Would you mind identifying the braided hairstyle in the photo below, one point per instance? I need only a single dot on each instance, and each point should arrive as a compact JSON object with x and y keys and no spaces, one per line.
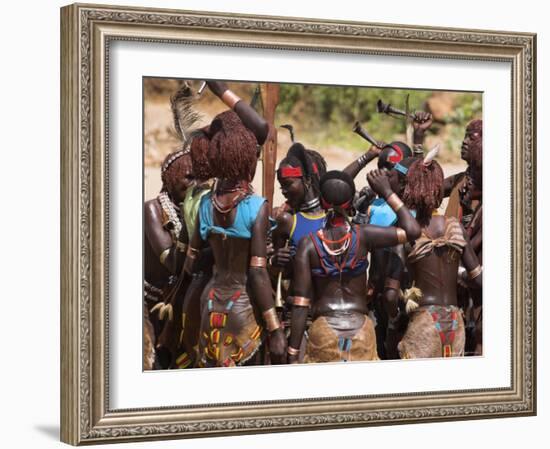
{"x":424,"y":189}
{"x":199,"y":155}
{"x":174,"y":167}
{"x":310,"y":162}
{"x":226,"y":149}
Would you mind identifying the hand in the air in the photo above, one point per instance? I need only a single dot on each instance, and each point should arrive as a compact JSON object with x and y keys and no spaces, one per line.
{"x":217,"y":87}
{"x":422,"y":121}
{"x":277,"y":346}
{"x":379,"y":182}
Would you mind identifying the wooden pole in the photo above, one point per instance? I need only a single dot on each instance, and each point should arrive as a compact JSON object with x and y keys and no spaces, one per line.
{"x":270,"y":100}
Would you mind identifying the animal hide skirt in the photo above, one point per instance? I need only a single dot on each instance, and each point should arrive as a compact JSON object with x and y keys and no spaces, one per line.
{"x":341,"y":337}
{"x":230,"y":333}
{"x":148,"y":340}
{"x":433,"y":331}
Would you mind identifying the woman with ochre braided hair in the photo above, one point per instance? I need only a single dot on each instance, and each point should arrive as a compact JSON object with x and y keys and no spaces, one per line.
{"x":237,"y":309}
{"x":330,"y":274}
{"x":436,"y":326}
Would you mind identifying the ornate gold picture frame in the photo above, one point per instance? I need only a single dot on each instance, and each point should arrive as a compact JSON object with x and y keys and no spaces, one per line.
{"x":87,"y":32}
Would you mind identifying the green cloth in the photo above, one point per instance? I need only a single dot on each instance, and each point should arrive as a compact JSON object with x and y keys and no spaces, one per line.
{"x":190,"y":207}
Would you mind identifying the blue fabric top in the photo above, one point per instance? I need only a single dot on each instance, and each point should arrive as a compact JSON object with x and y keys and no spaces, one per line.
{"x":330,"y":267}
{"x":381,"y":213}
{"x":247,"y":211}
{"x":302,"y":225}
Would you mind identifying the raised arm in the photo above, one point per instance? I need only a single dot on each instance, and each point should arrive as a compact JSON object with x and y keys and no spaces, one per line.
{"x":250,"y":118}
{"x":361,"y":162}
{"x":408,"y":229}
{"x":303,"y":297}
{"x":421,"y":123}
{"x":170,"y":255}
{"x":473,"y":275}
{"x":261,"y":286}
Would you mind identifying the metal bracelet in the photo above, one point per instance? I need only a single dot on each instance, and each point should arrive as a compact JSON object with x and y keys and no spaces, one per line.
{"x":395,"y":202}
{"x":164,"y":255}
{"x":292,"y":351}
{"x":301,"y":301}
{"x":271,"y":319}
{"x":192,"y":252}
{"x":258,"y":262}
{"x":230,"y":98}
{"x":401,"y":235}
{"x":475,"y":272}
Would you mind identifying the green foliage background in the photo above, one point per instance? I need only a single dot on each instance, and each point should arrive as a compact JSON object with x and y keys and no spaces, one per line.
{"x":324,"y":115}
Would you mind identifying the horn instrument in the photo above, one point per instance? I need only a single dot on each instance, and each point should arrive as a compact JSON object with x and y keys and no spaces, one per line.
{"x":387,"y":108}
{"x":358,"y":129}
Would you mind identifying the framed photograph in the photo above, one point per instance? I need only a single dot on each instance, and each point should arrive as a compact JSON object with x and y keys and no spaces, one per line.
{"x":295,"y":204}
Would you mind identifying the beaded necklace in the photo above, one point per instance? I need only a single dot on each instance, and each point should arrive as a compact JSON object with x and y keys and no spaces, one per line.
{"x":171,"y":212}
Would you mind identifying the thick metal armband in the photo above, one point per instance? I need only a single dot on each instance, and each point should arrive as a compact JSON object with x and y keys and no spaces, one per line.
{"x":301,"y":301}
{"x":401,"y":235}
{"x":475,"y":272}
{"x":395,"y":202}
{"x":230,"y":98}
{"x":258,"y":262}
{"x":292,"y":351}
{"x":271,"y":319}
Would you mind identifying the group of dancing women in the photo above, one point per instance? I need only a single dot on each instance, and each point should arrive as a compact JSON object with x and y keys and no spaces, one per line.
{"x":331,"y":275}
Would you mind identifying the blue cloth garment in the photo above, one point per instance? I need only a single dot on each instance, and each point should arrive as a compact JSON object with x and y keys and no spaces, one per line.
{"x":381,"y":213}
{"x":303,"y":224}
{"x":247,"y":211}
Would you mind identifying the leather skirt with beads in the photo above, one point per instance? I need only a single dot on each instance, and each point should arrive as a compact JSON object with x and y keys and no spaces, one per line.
{"x":433,"y":331}
{"x":341,"y":337}
{"x":230,"y":332}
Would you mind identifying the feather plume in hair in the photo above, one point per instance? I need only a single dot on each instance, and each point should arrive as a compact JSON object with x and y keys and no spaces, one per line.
{"x":185,"y":117}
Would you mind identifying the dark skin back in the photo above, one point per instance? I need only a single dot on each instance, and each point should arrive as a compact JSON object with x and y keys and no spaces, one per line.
{"x":436,"y":274}
{"x":346,"y":292}
{"x":232,"y":259}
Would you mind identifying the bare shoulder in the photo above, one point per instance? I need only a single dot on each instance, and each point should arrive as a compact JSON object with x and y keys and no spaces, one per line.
{"x":284,"y":222}
{"x":152,"y":210}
